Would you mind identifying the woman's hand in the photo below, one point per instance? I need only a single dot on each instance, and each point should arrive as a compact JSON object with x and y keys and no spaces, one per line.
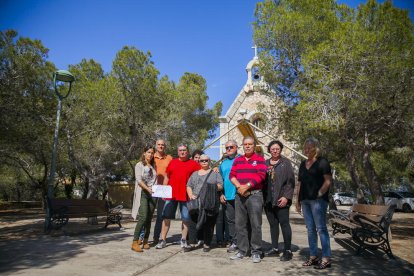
{"x":193,"y":196}
{"x":282,"y":202}
{"x":149,"y":190}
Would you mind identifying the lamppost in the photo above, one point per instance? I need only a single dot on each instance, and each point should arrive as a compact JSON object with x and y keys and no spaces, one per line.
{"x":62,"y":76}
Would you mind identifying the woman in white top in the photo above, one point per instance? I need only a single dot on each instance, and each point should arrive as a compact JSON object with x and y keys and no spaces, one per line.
{"x":145,"y":178}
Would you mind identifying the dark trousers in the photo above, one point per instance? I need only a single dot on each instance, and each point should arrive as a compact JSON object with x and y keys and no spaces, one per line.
{"x":249,"y":210}
{"x":158,"y":222}
{"x":222,"y":228}
{"x":145,"y":212}
{"x":193,"y":235}
{"x":231,"y":220}
{"x":276,"y":216}
{"x":206,"y":231}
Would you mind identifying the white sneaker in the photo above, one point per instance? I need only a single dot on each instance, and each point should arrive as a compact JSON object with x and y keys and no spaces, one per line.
{"x":161,"y":244}
{"x":256,"y":258}
{"x":200,"y":243}
{"x":183,"y":243}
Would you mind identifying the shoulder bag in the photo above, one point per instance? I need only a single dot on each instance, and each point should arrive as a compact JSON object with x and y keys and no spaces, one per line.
{"x":193,"y":205}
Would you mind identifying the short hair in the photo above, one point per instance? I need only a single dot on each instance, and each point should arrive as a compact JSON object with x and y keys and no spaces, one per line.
{"x":315,"y":144}
{"x":182,"y":145}
{"x":251,"y":138}
{"x":160,"y":139}
{"x":231,"y":141}
{"x":195,"y":152}
{"x":274,"y":142}
{"x":205,"y":156}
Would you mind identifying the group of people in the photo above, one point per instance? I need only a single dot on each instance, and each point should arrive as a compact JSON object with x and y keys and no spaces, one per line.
{"x":231,"y":197}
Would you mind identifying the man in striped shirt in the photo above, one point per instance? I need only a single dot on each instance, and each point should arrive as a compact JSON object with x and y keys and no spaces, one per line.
{"x":247,"y":175}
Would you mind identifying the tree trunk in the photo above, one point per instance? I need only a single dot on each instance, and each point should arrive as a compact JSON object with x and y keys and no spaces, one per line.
{"x":353,"y":172}
{"x":92,"y":194}
{"x":371,"y":174}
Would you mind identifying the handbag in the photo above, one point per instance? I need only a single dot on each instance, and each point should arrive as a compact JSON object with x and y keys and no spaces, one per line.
{"x":193,"y":205}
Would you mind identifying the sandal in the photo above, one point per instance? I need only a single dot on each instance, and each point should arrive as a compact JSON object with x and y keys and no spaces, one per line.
{"x":311,"y":262}
{"x":323,"y":264}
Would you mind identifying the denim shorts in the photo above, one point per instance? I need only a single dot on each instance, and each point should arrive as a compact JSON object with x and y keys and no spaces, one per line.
{"x":170,"y":208}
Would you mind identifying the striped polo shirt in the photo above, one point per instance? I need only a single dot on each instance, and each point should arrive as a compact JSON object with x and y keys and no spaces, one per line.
{"x":252,"y":170}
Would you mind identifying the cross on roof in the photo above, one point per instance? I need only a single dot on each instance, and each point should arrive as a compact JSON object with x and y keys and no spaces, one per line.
{"x":255,"y":50}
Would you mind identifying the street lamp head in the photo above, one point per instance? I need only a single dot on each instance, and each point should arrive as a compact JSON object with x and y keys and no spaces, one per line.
{"x":64,"y":75}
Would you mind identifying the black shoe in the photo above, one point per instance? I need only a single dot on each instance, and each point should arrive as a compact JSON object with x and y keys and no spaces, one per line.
{"x":272,"y":253}
{"x":188,"y":248}
{"x":287,"y":256}
{"x":206,"y":249}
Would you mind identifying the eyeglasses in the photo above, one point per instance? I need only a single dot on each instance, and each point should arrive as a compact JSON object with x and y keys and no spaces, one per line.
{"x":229,"y":147}
{"x":203,"y":160}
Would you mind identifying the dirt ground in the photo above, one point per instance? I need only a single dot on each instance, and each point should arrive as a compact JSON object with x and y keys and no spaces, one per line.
{"x":21,"y":224}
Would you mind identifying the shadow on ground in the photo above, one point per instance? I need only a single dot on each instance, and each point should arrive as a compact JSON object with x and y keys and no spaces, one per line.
{"x":24,"y":244}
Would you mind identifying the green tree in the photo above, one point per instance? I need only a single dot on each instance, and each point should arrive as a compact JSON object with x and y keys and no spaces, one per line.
{"x":110,"y":118}
{"x":27,"y":106}
{"x":354,"y":82}
{"x":106,"y":120}
{"x":190,"y":120}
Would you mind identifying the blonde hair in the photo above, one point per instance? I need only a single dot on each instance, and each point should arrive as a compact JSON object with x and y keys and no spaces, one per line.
{"x":315,"y":144}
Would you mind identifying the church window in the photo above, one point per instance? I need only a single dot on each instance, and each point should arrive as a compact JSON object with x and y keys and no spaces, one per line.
{"x":255,"y":74}
{"x":259,"y":122}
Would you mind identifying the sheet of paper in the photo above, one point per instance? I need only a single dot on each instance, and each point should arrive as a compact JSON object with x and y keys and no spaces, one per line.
{"x":163,"y":191}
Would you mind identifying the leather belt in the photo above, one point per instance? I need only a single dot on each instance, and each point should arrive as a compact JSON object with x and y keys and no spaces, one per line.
{"x":252,"y":192}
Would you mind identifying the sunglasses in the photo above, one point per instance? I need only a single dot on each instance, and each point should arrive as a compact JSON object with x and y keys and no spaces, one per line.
{"x":203,"y":160}
{"x":229,"y":147}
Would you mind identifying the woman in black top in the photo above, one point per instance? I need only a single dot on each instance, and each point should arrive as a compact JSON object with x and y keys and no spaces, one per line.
{"x":314,"y":180}
{"x":280,"y":181}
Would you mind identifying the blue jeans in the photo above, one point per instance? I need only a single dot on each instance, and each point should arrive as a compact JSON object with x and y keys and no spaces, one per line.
{"x":170,"y":207}
{"x":314,"y":212}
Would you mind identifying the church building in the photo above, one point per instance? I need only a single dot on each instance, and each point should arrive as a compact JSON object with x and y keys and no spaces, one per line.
{"x":254,"y":113}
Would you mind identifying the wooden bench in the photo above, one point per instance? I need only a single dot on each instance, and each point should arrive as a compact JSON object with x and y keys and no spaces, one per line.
{"x":59,"y":211}
{"x":367,"y":224}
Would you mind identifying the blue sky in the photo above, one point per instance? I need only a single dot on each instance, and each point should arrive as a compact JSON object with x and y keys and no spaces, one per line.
{"x":212,"y":38}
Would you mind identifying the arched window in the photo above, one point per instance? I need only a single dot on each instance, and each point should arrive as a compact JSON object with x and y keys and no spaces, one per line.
{"x":259,"y":122}
{"x":255,"y":74}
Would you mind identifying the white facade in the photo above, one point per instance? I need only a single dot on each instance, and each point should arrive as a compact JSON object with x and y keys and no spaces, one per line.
{"x":259,"y":105}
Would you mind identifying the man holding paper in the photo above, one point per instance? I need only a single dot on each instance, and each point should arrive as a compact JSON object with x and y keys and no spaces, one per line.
{"x":177,"y":174}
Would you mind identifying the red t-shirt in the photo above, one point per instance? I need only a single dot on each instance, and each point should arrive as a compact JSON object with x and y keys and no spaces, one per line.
{"x":178,"y":173}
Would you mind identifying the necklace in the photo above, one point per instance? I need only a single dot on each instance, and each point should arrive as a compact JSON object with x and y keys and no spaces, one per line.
{"x":274,"y":161}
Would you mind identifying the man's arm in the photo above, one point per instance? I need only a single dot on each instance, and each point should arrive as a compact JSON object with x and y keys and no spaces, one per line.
{"x":166,"y":180}
{"x":241,"y":189}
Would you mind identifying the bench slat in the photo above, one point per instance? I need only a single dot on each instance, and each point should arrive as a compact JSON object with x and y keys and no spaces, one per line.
{"x":372,"y":210}
{"x":345,"y":223}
